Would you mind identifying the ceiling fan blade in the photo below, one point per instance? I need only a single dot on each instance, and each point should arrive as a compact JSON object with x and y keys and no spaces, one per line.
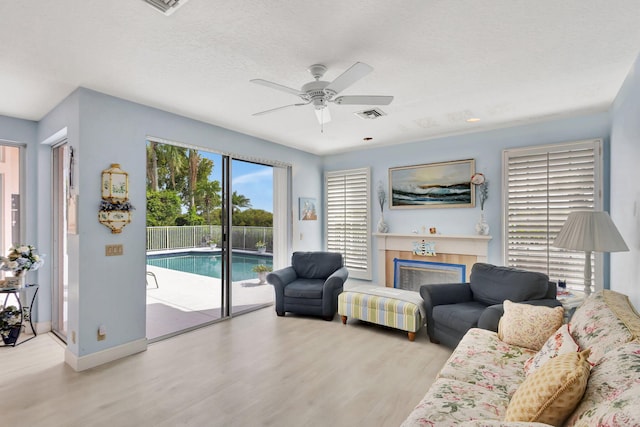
{"x":349,"y":77}
{"x":277,"y":86}
{"x":364,"y":100}
{"x":323,"y":115}
{"x":279,"y":108}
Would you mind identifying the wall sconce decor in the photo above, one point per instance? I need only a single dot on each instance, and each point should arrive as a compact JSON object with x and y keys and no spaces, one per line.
{"x":115,"y":208}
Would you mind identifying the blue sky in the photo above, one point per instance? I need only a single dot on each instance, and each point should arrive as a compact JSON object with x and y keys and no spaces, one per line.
{"x":249,"y":179}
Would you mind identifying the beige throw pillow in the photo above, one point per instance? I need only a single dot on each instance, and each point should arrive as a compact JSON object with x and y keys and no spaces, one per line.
{"x":551,"y":393}
{"x":527,"y":325}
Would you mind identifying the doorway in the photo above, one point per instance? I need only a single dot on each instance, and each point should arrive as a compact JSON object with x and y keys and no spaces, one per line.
{"x":209,"y":224}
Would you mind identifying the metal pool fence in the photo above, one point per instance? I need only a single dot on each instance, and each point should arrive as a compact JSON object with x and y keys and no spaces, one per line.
{"x":193,"y":236}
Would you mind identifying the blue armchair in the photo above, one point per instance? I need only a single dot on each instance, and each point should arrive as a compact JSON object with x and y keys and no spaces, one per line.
{"x":311,"y":284}
{"x":454,"y":308}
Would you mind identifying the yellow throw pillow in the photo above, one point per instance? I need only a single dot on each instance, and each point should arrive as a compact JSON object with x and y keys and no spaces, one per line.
{"x":552,"y":392}
{"x":527,"y":325}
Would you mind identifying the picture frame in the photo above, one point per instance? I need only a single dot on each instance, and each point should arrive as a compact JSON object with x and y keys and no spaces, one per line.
{"x":307,"y":209}
{"x":433,"y":185}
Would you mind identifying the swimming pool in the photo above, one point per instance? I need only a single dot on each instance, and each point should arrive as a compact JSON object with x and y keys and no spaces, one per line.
{"x":210,"y":264}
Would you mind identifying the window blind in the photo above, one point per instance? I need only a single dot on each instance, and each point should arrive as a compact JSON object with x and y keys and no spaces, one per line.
{"x":347,"y":207}
{"x":542,"y":186}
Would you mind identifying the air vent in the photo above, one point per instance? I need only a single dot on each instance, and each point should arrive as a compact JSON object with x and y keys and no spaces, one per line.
{"x":373,"y":113}
{"x":166,"y":6}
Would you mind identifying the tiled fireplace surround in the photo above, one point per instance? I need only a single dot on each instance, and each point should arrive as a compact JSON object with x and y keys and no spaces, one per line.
{"x":450,"y":249}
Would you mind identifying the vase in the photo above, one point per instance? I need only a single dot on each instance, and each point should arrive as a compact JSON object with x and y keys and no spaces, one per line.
{"x":17,"y":281}
{"x":383,"y":227}
{"x":482,"y":227}
{"x":12,"y":336}
{"x":262,"y":277}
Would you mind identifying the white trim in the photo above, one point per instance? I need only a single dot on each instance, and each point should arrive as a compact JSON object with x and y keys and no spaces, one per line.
{"x":92,"y":360}
{"x":233,"y":156}
{"x":56,"y":137}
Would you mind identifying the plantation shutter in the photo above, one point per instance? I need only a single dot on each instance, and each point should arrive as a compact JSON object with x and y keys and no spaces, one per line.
{"x":542,"y":186}
{"x":347,"y":196}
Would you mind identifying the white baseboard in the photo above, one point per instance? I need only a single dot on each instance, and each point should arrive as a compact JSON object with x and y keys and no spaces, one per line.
{"x":105,"y":356}
{"x":42,"y":327}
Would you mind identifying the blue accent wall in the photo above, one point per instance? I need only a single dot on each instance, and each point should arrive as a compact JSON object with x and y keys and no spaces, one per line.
{"x":486,"y":148}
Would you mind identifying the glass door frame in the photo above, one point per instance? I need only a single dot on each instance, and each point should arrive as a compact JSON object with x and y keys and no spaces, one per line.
{"x":61,"y":158}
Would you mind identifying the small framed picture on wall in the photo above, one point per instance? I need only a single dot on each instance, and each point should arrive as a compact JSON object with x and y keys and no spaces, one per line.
{"x":307,"y":209}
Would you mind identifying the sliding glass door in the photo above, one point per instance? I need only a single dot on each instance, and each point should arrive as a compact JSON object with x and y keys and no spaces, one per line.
{"x":63,"y":223}
{"x":209,"y":233}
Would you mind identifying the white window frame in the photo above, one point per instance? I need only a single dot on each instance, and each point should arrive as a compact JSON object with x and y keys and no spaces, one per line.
{"x":556,"y":214}
{"x":356,"y":256}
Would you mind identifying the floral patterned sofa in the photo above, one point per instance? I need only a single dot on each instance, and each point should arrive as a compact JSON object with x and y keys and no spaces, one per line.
{"x":477,"y":384}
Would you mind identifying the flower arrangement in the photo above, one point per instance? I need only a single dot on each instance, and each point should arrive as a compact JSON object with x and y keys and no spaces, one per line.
{"x":261,"y":268}
{"x":482,"y":184}
{"x":106,"y":205}
{"x":260,"y":244}
{"x":20,"y":259}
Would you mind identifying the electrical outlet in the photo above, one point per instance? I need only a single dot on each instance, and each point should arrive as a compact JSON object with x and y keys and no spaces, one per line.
{"x":102,"y":333}
{"x":113,"y":250}
{"x":73,"y":337}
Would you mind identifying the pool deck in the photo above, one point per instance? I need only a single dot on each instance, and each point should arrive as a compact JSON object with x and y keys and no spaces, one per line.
{"x":185,"y":300}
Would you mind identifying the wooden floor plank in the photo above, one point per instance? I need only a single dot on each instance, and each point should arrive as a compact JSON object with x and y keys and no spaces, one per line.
{"x":255,"y":370}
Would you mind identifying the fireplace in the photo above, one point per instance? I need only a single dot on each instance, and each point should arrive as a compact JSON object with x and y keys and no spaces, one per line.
{"x":411,"y":274}
{"x":463,"y":250}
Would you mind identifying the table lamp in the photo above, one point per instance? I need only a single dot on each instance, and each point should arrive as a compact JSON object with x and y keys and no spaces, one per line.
{"x":589,"y":231}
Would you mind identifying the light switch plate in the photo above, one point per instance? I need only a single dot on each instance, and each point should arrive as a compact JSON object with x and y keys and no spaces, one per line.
{"x":113,"y":250}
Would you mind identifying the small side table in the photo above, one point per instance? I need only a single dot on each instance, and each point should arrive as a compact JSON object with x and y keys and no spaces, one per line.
{"x":27,"y":294}
{"x":570,"y":300}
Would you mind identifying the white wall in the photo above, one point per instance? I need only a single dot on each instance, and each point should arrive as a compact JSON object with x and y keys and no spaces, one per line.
{"x":486,"y":148}
{"x":110,"y":291}
{"x":625,"y":191}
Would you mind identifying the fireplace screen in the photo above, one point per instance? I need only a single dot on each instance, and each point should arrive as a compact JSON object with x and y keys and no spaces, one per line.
{"x":410,"y":274}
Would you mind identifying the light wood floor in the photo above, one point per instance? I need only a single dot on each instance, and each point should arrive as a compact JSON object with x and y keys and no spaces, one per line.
{"x":255,"y":370}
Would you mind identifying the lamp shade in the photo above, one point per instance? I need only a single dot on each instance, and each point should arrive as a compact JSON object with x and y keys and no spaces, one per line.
{"x":590,"y":231}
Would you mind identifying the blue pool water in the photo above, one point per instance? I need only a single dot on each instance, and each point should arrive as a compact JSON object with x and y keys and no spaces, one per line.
{"x":210,"y":264}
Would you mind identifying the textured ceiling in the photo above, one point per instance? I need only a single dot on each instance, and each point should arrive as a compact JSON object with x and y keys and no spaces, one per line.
{"x":505,"y":62}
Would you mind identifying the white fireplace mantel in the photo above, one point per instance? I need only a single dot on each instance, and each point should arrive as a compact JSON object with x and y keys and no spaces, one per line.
{"x":474,"y":245}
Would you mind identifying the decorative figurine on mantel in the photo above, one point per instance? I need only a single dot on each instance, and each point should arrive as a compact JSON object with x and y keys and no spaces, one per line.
{"x":383,"y":227}
{"x":479,"y":180}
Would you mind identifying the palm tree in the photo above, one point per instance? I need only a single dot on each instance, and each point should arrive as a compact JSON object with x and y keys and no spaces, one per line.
{"x":175,"y":159}
{"x":239,"y":201}
{"x":152,"y":165}
{"x":194,"y":159}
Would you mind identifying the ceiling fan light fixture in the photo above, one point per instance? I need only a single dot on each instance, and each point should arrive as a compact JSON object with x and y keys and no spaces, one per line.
{"x":320,"y":93}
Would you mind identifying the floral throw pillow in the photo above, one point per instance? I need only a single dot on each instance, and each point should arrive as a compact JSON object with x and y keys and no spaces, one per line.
{"x":527,"y":325}
{"x":561,"y":342}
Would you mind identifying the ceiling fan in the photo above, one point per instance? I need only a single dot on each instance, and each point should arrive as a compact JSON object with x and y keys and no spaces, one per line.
{"x":319,"y":93}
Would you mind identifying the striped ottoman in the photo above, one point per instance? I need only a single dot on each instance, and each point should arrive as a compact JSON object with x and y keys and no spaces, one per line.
{"x":395,"y":308}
